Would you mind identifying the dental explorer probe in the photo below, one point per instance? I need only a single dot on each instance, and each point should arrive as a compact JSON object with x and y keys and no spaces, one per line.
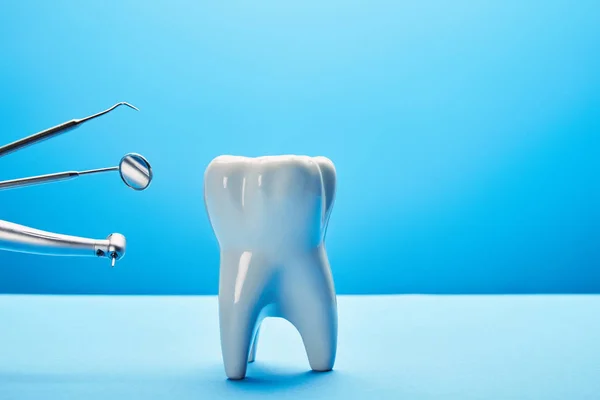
{"x":56,"y":130}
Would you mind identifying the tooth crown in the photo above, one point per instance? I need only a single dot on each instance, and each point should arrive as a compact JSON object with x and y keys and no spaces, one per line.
{"x":281,"y":200}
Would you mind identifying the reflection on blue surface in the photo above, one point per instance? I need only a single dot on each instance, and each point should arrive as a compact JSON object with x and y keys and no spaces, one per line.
{"x":465,"y":136}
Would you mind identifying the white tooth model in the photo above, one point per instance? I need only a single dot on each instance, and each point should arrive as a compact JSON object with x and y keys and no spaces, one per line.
{"x":270,"y":216}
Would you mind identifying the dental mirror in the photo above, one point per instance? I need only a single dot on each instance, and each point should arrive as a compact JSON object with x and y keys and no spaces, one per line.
{"x":134,"y":169}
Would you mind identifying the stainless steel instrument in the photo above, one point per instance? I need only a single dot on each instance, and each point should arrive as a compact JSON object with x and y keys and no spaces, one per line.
{"x":134,"y":169}
{"x":56,"y":130}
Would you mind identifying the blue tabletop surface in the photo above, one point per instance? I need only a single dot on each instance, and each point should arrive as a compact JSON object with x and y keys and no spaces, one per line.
{"x":401,"y":347}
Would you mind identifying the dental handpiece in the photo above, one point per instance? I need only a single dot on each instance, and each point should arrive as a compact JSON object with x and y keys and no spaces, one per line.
{"x":19,"y":238}
{"x":54,"y":131}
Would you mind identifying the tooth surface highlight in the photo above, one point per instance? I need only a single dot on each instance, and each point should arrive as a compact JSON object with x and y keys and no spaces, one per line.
{"x":269,"y":215}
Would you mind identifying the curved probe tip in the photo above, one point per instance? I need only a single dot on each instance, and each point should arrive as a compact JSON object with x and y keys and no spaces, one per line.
{"x":129,"y":105}
{"x":122,"y":103}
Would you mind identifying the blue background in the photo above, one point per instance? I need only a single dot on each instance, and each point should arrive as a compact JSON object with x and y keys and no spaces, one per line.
{"x":465,"y":136}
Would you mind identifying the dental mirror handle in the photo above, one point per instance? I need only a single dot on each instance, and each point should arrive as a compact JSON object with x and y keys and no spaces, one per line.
{"x":38,"y":180}
{"x":54,"y":131}
{"x":41,"y":179}
{"x":22,"y":239}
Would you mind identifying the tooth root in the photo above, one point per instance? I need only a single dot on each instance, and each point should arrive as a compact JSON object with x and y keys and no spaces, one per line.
{"x":239,"y":307}
{"x":310,"y":305}
{"x":236,"y":333}
{"x":252,"y":356}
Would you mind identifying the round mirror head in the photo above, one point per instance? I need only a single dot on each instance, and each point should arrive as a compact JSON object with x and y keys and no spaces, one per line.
{"x":135,"y":171}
